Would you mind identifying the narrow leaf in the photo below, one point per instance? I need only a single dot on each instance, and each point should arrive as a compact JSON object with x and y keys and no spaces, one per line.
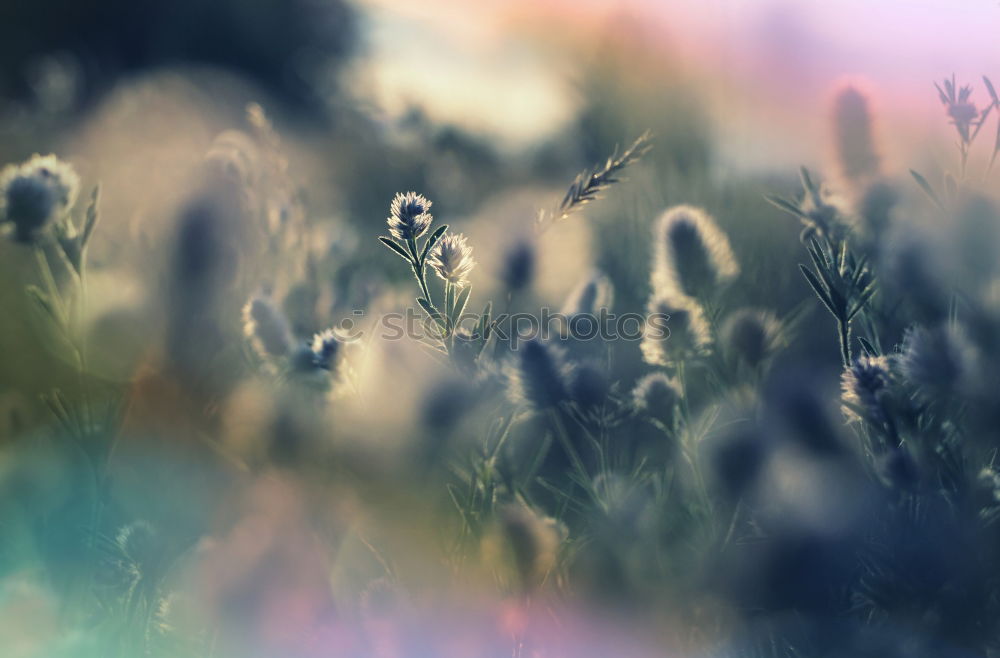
{"x":868,"y":347}
{"x":817,"y":288}
{"x":926,"y":187}
{"x":463,"y":299}
{"x":784,"y":204}
{"x":396,"y":248}
{"x":431,"y":241}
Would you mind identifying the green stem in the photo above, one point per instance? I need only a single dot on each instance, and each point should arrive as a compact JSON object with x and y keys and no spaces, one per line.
{"x":845,"y":342}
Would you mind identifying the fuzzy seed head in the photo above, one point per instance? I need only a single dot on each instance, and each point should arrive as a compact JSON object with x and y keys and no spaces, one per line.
{"x":35,"y":193}
{"x":451,"y":258}
{"x":539,"y":378}
{"x":657,"y":396}
{"x":532,"y":541}
{"x":854,"y":142}
{"x":676,"y":329}
{"x":326,"y":347}
{"x":518,"y":268}
{"x":751,"y":335}
{"x":936,"y":361}
{"x":409,"y":216}
{"x":590,"y":296}
{"x":863,"y":388}
{"x":693,"y":255}
{"x":267,"y":328}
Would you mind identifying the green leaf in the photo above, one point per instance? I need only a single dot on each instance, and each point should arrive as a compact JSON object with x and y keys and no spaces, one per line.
{"x":433,"y":312}
{"x":396,"y":248}
{"x":926,"y":187}
{"x":868,"y":347}
{"x":817,"y":288}
{"x":431,"y":241}
{"x":463,"y":299}
{"x":92,"y":215}
{"x":785,"y":204}
{"x":43,"y":301}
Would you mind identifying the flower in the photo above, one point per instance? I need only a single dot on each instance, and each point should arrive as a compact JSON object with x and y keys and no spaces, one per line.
{"x":686,"y":335}
{"x":327,"y":347}
{"x":854,"y":143}
{"x":409,"y":216}
{"x":751,"y":335}
{"x":267,"y":328}
{"x":962,"y":111}
{"x":657,"y":396}
{"x":530,"y":541}
{"x":539,"y":378}
{"x":518,"y":268}
{"x":693,"y":255}
{"x":451,"y":258}
{"x":36,"y":192}
{"x":864,"y":386}
{"x":937,"y":360}
{"x":592,"y":294}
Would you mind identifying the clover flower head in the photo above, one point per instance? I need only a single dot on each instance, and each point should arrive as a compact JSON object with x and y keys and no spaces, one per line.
{"x":751,"y":335}
{"x":857,"y":157}
{"x":451,"y":258}
{"x":539,"y":376}
{"x":676,"y":328}
{"x":657,"y":395}
{"x":594,"y":293}
{"x":409,"y":216}
{"x":267,"y":328}
{"x":35,"y":193}
{"x":936,"y":361}
{"x":327,"y":347}
{"x":863,"y":388}
{"x":693,"y":255}
{"x":518,"y":267}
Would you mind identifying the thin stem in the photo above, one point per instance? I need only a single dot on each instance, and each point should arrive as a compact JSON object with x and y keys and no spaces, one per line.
{"x":845,"y":341}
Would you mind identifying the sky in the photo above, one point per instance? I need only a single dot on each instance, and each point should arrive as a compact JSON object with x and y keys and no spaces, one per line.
{"x":765,"y":65}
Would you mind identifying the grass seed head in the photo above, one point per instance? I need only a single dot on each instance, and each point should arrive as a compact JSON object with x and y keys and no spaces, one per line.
{"x":693,"y":255}
{"x":409,"y":216}
{"x":35,"y":193}
{"x":451,"y":259}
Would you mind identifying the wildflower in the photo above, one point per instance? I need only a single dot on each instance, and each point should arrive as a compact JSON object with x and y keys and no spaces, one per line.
{"x":451,"y":258}
{"x":590,"y":296}
{"x":864,"y":386}
{"x":35,"y":193}
{"x":518,"y":267}
{"x":266,"y":328}
{"x":751,"y":335}
{"x":675,"y":328}
{"x":327,"y":347}
{"x":409,"y":216}
{"x":693,"y":255}
{"x":854,"y":142}
{"x":960,"y":109}
{"x":539,"y":378}
{"x":657,"y":396}
{"x":988,"y":482}
{"x":531,"y":541}
{"x":937,"y":360}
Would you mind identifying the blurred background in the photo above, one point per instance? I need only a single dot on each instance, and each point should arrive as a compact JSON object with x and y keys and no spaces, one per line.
{"x":253,"y":147}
